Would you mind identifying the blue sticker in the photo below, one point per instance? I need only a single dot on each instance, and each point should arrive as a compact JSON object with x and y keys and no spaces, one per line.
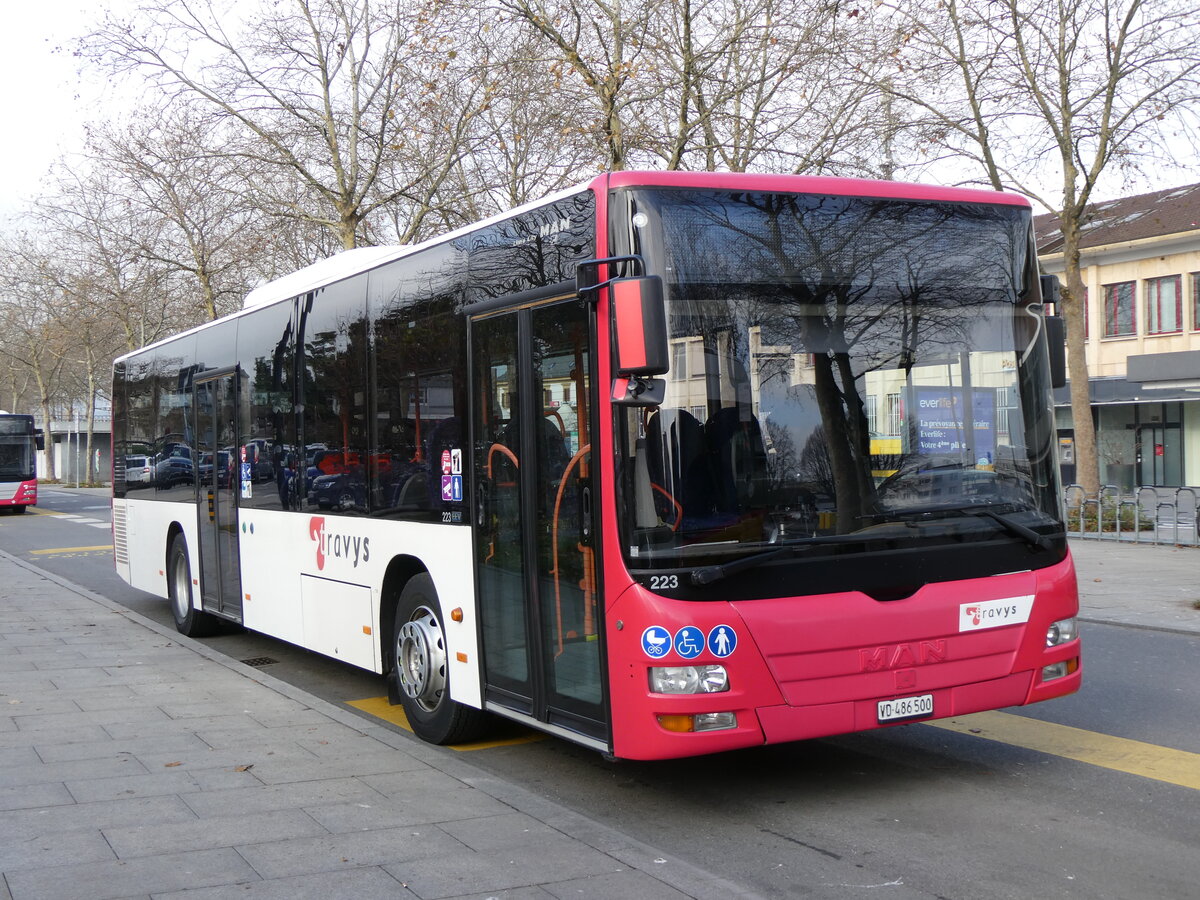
{"x":689,"y":641}
{"x":656,"y":641}
{"x":722,"y":641}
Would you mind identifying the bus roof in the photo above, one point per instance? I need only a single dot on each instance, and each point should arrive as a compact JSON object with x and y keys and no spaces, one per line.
{"x":353,"y":262}
{"x":815,"y":184}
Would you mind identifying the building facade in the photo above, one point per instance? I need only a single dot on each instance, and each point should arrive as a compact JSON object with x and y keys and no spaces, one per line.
{"x":1141,"y":270}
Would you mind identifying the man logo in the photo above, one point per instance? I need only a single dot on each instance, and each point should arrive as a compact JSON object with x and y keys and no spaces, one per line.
{"x":901,"y":656}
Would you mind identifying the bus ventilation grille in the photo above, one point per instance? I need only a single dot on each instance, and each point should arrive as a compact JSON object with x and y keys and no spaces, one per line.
{"x":120,"y":541}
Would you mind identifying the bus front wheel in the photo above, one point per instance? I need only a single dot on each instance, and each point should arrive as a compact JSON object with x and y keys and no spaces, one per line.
{"x":188,"y":620}
{"x":422,"y":669}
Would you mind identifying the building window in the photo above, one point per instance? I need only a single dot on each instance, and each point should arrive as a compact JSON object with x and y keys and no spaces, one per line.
{"x":1164,"y":307}
{"x":679,"y":359}
{"x":872,"y":411}
{"x":894,"y":410}
{"x":1120,"y":316}
{"x":1196,"y":300}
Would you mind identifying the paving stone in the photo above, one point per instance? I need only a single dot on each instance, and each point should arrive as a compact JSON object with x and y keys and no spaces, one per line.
{"x":499,"y":832}
{"x":80,"y":769}
{"x":144,"y":785}
{"x":54,"y":849}
{"x":467,"y":873}
{"x":521,"y":893}
{"x":122,"y":878}
{"x":122,"y":716}
{"x":207,"y":834}
{"x":615,"y":886}
{"x":15,"y":737}
{"x":359,"y":884}
{"x":16,"y":825}
{"x":172,"y":744}
{"x":348,"y":850}
{"x":35,"y":795}
{"x":18,"y":756}
{"x":166,"y":725}
{"x":381,"y":762}
{"x":283,"y":796}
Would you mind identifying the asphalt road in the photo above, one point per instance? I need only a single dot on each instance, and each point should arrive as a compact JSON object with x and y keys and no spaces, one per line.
{"x":1005,"y":809}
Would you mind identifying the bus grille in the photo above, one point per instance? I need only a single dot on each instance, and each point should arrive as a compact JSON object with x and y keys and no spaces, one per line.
{"x":120,"y":542}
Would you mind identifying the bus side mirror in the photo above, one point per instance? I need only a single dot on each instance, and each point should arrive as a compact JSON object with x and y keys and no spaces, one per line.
{"x":40,"y":440}
{"x":1056,"y":341}
{"x":640,"y":319}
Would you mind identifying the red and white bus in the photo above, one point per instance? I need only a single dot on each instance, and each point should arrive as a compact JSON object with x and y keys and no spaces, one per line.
{"x":603,"y":465}
{"x":19,"y":443}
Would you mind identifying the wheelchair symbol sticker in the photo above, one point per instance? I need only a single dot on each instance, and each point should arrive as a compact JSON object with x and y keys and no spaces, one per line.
{"x":689,"y":641}
{"x":722,"y":641}
{"x":656,"y":641}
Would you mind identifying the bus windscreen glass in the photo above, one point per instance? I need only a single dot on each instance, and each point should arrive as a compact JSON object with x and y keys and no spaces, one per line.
{"x":17,"y":461}
{"x":847,"y":375}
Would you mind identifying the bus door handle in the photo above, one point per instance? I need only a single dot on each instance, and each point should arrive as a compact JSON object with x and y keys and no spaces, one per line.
{"x":585,"y":515}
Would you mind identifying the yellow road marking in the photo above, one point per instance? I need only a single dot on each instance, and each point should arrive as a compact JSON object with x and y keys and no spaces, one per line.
{"x":1121,"y":754}
{"x":71,"y":550}
{"x":45,"y":512}
{"x":381,"y":709}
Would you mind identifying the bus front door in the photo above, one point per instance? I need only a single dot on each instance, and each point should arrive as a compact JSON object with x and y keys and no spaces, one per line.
{"x":217,"y":480}
{"x":536,"y":542}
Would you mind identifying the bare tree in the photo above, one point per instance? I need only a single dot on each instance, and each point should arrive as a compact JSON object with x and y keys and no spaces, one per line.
{"x":759,"y":83}
{"x":167,"y":169}
{"x":1053,"y":98}
{"x":596,"y":44}
{"x":327,"y":91}
{"x":28,"y":326}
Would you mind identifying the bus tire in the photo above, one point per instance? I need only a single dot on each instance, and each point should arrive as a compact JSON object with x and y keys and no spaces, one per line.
{"x":19,"y":509}
{"x":422,"y":669}
{"x":189,"y":621}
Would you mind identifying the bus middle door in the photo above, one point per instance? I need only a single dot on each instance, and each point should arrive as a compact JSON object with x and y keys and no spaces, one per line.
{"x":218,"y":477}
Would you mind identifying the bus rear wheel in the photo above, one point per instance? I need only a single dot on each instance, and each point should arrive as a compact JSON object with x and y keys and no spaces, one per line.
{"x":422,"y":669}
{"x":189,"y":621}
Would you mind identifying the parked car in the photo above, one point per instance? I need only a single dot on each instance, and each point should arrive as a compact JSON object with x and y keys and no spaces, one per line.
{"x":177,"y":468}
{"x":139,"y":471}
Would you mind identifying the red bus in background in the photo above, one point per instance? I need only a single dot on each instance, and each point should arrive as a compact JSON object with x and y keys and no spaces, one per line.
{"x":19,"y":443}
{"x":611,"y":464}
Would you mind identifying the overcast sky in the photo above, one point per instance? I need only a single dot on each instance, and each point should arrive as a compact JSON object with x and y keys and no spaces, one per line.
{"x":45,"y":101}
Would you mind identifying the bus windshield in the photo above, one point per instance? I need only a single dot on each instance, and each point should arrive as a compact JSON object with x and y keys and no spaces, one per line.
{"x":847,"y":374}
{"x":17,"y":459}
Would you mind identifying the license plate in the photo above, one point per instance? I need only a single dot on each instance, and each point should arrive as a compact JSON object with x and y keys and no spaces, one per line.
{"x":906,"y":708}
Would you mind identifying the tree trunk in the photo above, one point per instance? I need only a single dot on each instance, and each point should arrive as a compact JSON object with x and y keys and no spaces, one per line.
{"x":1087,"y":468}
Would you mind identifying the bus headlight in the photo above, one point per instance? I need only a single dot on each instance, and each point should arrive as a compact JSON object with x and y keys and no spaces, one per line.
{"x":1061,"y":632}
{"x":689,"y":679}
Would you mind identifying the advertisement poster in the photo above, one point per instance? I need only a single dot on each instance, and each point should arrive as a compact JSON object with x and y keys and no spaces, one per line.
{"x":944,"y":427}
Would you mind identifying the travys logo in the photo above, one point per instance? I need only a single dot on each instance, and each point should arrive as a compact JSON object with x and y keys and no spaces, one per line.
{"x":994,"y":613}
{"x":353,"y":548}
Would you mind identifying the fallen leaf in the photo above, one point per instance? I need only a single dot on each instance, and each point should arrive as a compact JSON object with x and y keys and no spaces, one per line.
{"x":244,"y":768}
{"x":171,"y":765}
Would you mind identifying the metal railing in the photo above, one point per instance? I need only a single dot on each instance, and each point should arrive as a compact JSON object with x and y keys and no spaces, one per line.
{"x":1151,"y":515}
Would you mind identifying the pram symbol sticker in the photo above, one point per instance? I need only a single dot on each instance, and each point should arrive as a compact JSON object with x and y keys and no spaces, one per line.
{"x":689,"y":641}
{"x":656,"y":641}
{"x":722,"y":640}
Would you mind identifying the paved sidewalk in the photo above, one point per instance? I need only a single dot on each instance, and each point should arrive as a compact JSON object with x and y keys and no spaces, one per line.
{"x":1140,"y":585}
{"x":135,"y":762}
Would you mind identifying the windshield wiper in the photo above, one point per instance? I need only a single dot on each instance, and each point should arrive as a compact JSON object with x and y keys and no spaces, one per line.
{"x":1012,"y":526}
{"x":708,"y":574}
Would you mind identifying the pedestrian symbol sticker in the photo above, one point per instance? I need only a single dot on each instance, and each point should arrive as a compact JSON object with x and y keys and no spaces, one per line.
{"x":656,"y":641}
{"x":722,"y":641}
{"x":689,"y":641}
